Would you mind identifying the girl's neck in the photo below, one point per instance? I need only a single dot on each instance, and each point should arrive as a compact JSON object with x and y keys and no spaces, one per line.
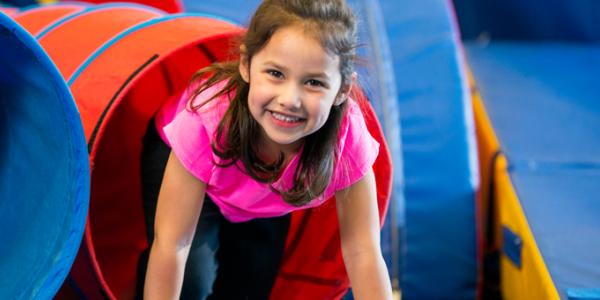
{"x":269,"y":152}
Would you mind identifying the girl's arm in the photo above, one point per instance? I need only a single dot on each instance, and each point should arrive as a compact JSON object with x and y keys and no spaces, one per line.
{"x":179,"y":204}
{"x":359,"y":230}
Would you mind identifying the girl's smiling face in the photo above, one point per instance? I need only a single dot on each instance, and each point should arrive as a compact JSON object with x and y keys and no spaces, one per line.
{"x":294,"y":82}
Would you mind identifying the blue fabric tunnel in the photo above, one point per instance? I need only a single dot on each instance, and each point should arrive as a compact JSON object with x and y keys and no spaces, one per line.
{"x":44,"y":170}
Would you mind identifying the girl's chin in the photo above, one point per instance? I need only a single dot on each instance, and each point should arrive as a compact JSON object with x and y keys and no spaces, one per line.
{"x":286,"y":143}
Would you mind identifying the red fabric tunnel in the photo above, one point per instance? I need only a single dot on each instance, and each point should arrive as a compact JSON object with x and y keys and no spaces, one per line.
{"x":36,"y":19}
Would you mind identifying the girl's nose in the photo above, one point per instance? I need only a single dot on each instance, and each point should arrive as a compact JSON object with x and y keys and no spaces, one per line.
{"x":290,"y":98}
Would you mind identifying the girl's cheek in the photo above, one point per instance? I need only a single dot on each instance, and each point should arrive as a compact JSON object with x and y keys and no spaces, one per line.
{"x":263,"y":85}
{"x":263,"y":91}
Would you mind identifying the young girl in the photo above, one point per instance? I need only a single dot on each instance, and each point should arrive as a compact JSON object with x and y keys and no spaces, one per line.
{"x":260,"y":137}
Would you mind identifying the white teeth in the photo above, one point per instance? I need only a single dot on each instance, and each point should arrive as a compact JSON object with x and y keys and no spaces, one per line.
{"x":284,"y":118}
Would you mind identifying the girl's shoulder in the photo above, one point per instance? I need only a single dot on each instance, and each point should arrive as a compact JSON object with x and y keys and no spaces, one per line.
{"x":207,"y":102}
{"x":356,"y":149}
{"x":353,"y":123}
{"x":190,"y":132}
{"x":206,"y":108}
{"x":184,"y":113}
{"x":354,"y":109}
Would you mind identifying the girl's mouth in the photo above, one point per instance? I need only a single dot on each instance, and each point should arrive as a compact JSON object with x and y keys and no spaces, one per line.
{"x":286,"y":120}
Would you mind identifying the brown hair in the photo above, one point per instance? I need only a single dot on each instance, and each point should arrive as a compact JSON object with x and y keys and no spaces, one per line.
{"x":333,"y":24}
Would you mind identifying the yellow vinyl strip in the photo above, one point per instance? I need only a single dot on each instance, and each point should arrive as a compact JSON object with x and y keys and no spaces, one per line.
{"x":532,"y":280}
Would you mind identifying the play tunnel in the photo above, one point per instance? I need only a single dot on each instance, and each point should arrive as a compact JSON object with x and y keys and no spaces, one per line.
{"x":44,"y":173}
{"x":35,"y":19}
{"x":122,"y":62}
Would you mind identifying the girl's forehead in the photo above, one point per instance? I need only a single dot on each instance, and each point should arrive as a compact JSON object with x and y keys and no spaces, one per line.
{"x":294,"y":45}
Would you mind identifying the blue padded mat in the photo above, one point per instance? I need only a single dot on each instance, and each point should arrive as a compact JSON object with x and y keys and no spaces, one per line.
{"x":543,"y":100}
{"x":239,"y":11}
{"x":573,"y":20}
{"x":438,"y":144}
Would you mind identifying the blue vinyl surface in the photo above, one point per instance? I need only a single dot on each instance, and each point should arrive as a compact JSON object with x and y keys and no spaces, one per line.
{"x":440,"y":160}
{"x":583,"y":294}
{"x":44,"y":173}
{"x":543,"y":100}
{"x":19,"y":3}
{"x":572,"y":20}
{"x":239,"y":11}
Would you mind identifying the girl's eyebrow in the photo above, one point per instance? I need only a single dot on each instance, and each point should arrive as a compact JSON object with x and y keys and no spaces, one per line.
{"x":321,"y":75}
{"x":274,"y":64}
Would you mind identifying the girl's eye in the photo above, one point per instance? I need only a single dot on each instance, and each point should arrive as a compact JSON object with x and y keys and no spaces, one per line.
{"x":315,"y":83}
{"x":275,"y":73}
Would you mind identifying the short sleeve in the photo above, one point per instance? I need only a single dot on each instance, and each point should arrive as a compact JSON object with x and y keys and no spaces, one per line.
{"x":356,"y":147}
{"x":191,"y":143}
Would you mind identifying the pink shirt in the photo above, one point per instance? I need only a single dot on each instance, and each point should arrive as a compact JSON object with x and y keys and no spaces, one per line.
{"x":238,"y":196}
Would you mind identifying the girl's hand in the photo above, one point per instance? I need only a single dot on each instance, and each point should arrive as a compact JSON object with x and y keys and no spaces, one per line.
{"x":179,"y":204}
{"x":359,"y":231}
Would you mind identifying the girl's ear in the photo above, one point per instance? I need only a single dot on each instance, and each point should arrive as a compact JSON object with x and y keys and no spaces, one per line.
{"x":244,"y":67}
{"x":345,"y":91}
